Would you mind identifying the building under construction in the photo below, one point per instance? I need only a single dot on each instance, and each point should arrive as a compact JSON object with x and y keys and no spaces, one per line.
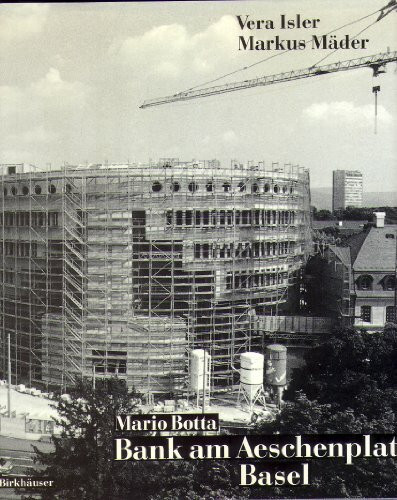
{"x":124,"y":269}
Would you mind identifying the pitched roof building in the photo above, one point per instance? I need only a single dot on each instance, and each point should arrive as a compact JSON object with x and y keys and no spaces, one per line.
{"x":357,"y":283}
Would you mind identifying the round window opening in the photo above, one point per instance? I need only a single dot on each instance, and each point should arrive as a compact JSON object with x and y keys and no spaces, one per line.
{"x":193,"y":187}
{"x":52,"y":189}
{"x":37,"y":189}
{"x":175,"y":187}
{"x":267,"y":188}
{"x":285,"y":189}
{"x":25,"y":190}
{"x":241,"y":186}
{"x":276,"y":189}
{"x":255,"y":188}
{"x":14,"y":190}
{"x":157,"y":187}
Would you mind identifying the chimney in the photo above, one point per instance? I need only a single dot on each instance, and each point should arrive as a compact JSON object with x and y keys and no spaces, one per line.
{"x":379,"y":219}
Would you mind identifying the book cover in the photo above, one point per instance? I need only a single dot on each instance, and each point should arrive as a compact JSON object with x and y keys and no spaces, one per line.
{"x":198,"y":250}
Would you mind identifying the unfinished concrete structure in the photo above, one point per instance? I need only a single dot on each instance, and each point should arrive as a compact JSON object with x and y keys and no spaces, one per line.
{"x":125,"y":268}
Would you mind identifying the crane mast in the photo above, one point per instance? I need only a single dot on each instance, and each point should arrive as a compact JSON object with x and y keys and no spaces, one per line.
{"x":377,"y":62}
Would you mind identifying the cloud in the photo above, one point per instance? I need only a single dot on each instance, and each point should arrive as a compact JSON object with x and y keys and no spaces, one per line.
{"x":49,"y":92}
{"x":21,"y":21}
{"x":53,"y":86}
{"x":35,"y":115}
{"x":346,"y":112}
{"x":170,"y":50}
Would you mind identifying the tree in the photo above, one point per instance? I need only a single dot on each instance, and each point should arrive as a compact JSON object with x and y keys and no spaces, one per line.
{"x":349,"y":385}
{"x":352,"y":369}
{"x":323,"y":214}
{"x":81,"y":462}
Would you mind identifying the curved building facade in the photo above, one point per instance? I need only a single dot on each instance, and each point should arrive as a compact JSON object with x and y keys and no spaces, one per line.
{"x":124,"y":269}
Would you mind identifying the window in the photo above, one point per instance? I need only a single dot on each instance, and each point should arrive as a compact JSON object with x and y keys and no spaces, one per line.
{"x":179,"y":218}
{"x":25,"y":190}
{"x":226,"y":187}
{"x":175,"y":187}
{"x":366,"y":314}
{"x":9,"y":277}
{"x":12,"y":170}
{"x":213,"y":218}
{"x":276,"y":189}
{"x":389,"y":282}
{"x":390,"y":314}
{"x":9,"y":248}
{"x":365,"y":282}
{"x":52,"y":219}
{"x":189,"y":217}
{"x":255,"y":188}
{"x":193,"y":187}
{"x":52,"y":189}
{"x":37,"y":189}
{"x":241,"y":186}
{"x":197,"y":250}
{"x":5,"y":192}
{"x":9,"y":219}
{"x":267,"y":188}
{"x":209,"y":187}
{"x":14,"y":190}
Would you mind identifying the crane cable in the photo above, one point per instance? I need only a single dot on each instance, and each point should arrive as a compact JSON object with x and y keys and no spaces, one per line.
{"x":282,"y":53}
{"x":353,"y":38}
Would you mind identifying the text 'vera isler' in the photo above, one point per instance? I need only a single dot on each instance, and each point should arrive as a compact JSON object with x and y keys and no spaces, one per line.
{"x":249,"y":41}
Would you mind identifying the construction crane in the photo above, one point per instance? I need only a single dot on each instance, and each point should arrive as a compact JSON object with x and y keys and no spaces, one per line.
{"x":376,"y":62}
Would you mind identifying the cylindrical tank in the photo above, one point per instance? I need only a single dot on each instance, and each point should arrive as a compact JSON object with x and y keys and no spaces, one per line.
{"x":251,"y":372}
{"x":197,"y":369}
{"x":276,"y":365}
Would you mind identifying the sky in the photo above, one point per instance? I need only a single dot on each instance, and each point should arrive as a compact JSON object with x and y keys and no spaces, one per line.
{"x":72,"y":78}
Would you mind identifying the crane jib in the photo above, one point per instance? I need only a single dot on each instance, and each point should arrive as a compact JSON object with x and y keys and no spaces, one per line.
{"x":375,"y":62}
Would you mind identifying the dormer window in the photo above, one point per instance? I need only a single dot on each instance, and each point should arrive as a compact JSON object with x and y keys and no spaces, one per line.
{"x":389,"y":282}
{"x":365,"y":282}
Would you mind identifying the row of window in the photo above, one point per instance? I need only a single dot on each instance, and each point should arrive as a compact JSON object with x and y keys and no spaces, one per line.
{"x":19,"y":249}
{"x":25,"y":190}
{"x":242,"y":250}
{"x":226,"y":187}
{"x":29,"y":219}
{"x":7,"y":277}
{"x":230,"y":218}
{"x":365,"y":282}
{"x":255,"y":280}
{"x":366,"y":314}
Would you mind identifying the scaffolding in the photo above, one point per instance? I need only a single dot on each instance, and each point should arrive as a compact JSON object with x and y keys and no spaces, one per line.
{"x":132,"y":266}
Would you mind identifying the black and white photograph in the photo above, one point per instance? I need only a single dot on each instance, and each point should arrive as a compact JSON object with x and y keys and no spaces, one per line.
{"x":198,"y":250}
